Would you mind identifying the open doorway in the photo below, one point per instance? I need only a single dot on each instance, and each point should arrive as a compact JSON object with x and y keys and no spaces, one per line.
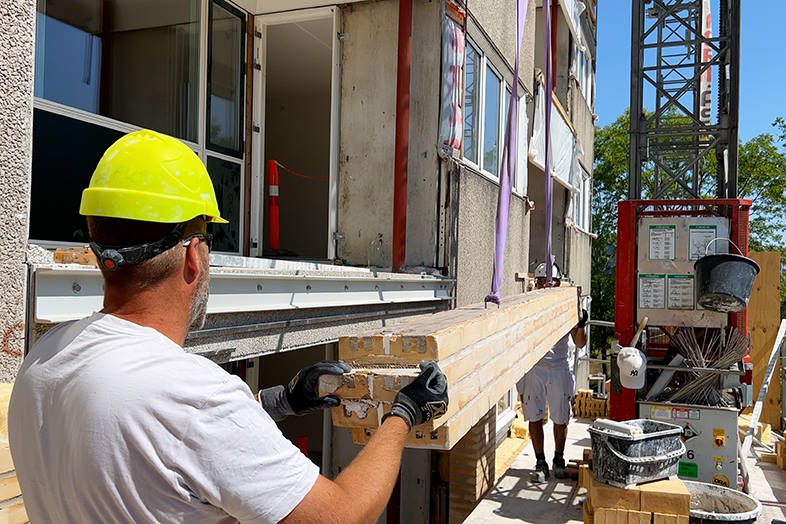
{"x":298,"y":94}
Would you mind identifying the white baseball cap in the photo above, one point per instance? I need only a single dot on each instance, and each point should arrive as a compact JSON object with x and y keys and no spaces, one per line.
{"x":633,"y":368}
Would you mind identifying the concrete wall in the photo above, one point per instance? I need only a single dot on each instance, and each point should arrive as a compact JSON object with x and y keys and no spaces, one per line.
{"x":498,"y":19}
{"x":367,"y":132}
{"x":17,"y":18}
{"x":584,"y":123}
{"x":477,"y":210}
{"x":580,"y":259}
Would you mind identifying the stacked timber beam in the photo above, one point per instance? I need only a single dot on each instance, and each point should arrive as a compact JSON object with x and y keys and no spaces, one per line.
{"x":482,"y":351}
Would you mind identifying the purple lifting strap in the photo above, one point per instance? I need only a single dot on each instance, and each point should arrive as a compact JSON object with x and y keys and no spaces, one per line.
{"x":549,"y":74}
{"x":508,"y":162}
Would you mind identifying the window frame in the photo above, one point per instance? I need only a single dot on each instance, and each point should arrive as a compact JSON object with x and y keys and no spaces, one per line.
{"x":488,"y":66}
{"x":518,"y":187}
{"x":240,"y":152}
{"x":479,"y":81}
{"x":200,"y":148}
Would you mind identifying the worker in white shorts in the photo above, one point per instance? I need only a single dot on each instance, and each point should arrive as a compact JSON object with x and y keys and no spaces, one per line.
{"x":550,"y":382}
{"x":110,"y":420}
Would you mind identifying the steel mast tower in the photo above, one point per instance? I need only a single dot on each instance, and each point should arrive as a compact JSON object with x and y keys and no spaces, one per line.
{"x":672,"y":52}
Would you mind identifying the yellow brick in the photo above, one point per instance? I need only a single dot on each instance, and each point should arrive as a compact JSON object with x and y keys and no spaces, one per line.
{"x":588,"y":517}
{"x":603,"y":516}
{"x":665,"y":496}
{"x":584,"y":473}
{"x":14,"y":514}
{"x":9,"y":487}
{"x":605,"y":496}
{"x":639,"y":517}
{"x":6,"y":462}
{"x":660,"y":518}
{"x":683,"y":519}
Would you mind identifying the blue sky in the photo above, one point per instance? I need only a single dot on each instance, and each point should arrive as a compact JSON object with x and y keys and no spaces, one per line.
{"x":762,"y":63}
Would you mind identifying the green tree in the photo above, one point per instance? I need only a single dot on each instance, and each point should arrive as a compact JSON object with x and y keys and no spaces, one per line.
{"x":761,"y":178}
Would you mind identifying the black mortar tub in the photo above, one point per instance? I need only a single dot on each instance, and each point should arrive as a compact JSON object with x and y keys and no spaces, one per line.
{"x":724,"y":281}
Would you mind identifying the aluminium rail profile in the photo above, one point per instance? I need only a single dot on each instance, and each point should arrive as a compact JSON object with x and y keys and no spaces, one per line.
{"x":261,"y":299}
{"x":69,"y":292}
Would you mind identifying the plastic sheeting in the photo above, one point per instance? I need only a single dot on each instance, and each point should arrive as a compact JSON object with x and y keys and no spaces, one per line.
{"x":564,"y":145}
{"x":574,"y":9}
{"x":451,"y":120}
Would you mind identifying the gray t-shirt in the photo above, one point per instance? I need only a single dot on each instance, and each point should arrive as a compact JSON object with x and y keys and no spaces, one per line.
{"x":113,"y":422}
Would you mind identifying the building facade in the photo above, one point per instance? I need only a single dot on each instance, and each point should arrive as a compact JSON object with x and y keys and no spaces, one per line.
{"x":292,"y":104}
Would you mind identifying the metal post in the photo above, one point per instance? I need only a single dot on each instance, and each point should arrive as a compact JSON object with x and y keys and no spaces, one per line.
{"x":636,"y":59}
{"x":402,"y":134}
{"x":733,"y":24}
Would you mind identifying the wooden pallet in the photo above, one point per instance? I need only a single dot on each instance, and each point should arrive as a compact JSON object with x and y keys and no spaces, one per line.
{"x":482,"y":351}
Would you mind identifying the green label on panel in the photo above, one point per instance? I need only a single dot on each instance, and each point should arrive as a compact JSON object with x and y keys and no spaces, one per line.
{"x":688,"y":469}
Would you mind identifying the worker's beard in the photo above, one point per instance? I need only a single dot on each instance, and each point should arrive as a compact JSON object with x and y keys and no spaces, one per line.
{"x":198,"y":309}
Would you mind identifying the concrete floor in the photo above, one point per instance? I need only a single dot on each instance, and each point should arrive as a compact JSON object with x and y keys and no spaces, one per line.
{"x":516,"y":499}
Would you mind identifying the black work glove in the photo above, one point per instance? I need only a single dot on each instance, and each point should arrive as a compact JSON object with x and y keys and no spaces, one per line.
{"x":583,"y":320}
{"x":423,"y":399}
{"x":300,"y":396}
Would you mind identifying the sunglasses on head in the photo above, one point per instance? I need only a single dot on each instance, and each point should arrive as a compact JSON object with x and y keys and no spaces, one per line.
{"x":207,"y":238}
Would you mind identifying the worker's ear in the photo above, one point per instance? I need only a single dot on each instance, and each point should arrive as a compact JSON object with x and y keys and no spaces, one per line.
{"x":193,"y":262}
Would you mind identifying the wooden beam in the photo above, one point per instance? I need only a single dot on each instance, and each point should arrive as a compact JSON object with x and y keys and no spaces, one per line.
{"x":764,"y":318}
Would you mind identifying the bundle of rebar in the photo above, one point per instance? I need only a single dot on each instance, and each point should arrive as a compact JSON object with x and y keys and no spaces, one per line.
{"x":716,"y":350}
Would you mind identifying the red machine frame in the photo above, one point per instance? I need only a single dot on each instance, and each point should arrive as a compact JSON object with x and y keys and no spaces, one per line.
{"x":622,"y":404}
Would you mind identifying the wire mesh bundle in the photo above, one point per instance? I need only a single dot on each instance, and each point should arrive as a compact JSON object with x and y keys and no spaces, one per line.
{"x":714,"y":351}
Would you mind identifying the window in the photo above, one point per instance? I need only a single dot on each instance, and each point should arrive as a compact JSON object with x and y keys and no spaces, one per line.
{"x":225,"y":79}
{"x":581,"y":203}
{"x":65,"y":153}
{"x":226,"y":176}
{"x":486,"y":101}
{"x":491,"y":124}
{"x":105,"y":68}
{"x":471,"y":104}
{"x":116,"y":60}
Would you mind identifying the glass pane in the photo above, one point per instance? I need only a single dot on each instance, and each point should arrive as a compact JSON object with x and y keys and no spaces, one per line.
{"x":226,"y":177}
{"x":491,"y":123}
{"x":471,"y":97}
{"x":225,"y":79}
{"x":65,"y":154}
{"x":113,"y":58}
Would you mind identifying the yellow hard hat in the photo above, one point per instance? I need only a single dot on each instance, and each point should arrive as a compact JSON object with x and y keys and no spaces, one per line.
{"x":150,"y":177}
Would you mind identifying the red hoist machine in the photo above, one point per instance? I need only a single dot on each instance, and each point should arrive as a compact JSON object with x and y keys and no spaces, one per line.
{"x":690,"y":315}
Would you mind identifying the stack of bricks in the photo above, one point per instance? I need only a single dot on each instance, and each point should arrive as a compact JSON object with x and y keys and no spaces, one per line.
{"x":12,"y":509}
{"x":585,"y":405}
{"x":779,"y":457}
{"x":661,"y":502}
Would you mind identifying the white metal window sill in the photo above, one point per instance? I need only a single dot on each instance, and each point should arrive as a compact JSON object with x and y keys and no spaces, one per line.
{"x":582,"y":230}
{"x":70,"y":292}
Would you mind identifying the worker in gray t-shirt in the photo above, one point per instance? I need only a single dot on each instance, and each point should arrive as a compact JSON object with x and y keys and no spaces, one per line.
{"x":551,"y":382}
